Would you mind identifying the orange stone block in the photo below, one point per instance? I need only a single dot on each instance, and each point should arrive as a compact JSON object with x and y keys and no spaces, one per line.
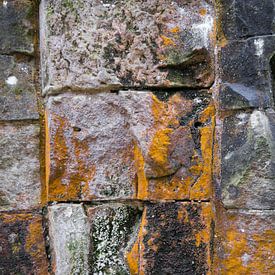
{"x":245,"y":243}
{"x":22,"y":244}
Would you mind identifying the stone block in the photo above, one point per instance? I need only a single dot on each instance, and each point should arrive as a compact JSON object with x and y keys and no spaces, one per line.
{"x":247,"y":160}
{"x":129,"y":145}
{"x":17,"y":20}
{"x":69,"y":239}
{"x":91,"y":241}
{"x":20,"y":185}
{"x":174,"y":238}
{"x":22,"y":248}
{"x":245,"y":243}
{"x":246,"y":73}
{"x":109,"y":44}
{"x":17,"y":91}
{"x":113,"y":228}
{"x":239,"y":19}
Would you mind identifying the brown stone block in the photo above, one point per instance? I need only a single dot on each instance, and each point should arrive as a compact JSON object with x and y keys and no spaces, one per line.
{"x":105,"y":44}
{"x":22,"y":248}
{"x":245,"y":242}
{"x":174,"y":238}
{"x":129,"y":145}
{"x":17,"y":21}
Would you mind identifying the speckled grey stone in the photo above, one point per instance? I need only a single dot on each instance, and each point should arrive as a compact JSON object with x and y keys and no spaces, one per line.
{"x":246,"y":73}
{"x":17,"y":21}
{"x":69,"y":239}
{"x":19,"y":167}
{"x":17,"y":91}
{"x":96,"y":45}
{"x":248,"y":160}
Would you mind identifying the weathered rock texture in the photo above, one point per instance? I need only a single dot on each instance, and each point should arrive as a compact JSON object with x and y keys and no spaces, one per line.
{"x":156,"y":150}
{"x":96,"y":45}
{"x":129,"y":145}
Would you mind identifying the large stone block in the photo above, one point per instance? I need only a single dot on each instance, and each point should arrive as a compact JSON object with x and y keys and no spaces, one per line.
{"x":247,"y":160}
{"x":245,"y":243}
{"x":94,"y":241}
{"x":113,"y":226}
{"x":17,"y":92}
{"x":19,"y":166}
{"x":69,"y":239}
{"x":246,"y":73}
{"x":174,"y":238}
{"x":129,"y":145}
{"x":17,"y":20}
{"x":241,"y":19}
{"x":22,"y":248}
{"x":108,"y":44}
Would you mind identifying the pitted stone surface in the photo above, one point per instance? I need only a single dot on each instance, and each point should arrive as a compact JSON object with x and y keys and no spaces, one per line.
{"x":241,"y":19}
{"x":245,"y":242}
{"x":17,"y":21}
{"x":112,"y":226}
{"x":19,"y":167}
{"x":117,"y":146}
{"x":103,"y":44}
{"x":245,"y":73}
{"x":248,"y":160}
{"x":175,"y":238}
{"x":17,"y":92}
{"x":69,"y":239}
{"x":22,"y":247}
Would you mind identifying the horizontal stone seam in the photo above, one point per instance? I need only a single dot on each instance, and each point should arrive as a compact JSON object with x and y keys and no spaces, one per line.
{"x":246,"y":38}
{"x":20,"y":121}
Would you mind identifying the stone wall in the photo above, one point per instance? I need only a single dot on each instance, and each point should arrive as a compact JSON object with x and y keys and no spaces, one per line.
{"x":137,"y":137}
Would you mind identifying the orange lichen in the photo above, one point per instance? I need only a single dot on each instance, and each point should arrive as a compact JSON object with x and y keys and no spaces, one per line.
{"x":35,"y":245}
{"x":134,"y":256}
{"x":202,"y":187}
{"x":47,"y":158}
{"x":159,"y":147}
{"x":203,"y":11}
{"x":167,"y":41}
{"x":141,"y":177}
{"x":175,"y":29}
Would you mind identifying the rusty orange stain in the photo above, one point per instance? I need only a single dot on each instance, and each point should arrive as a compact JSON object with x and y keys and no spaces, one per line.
{"x":167,"y":41}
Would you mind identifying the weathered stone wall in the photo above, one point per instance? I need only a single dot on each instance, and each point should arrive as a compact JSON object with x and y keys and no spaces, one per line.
{"x":137,"y":137}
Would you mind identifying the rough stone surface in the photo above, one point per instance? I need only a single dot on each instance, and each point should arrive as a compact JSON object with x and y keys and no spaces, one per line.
{"x":248,"y":160}
{"x":69,"y":239}
{"x":245,"y":243}
{"x":241,"y":19}
{"x":246,"y":73}
{"x":17,"y":21}
{"x":103,"y":44}
{"x":129,"y":145}
{"x":22,"y":248}
{"x":17,"y":91}
{"x":112,"y":226}
{"x":174,"y":238}
{"x":19,"y":166}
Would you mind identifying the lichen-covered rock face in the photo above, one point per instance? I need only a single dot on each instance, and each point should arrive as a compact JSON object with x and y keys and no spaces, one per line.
{"x":69,"y":239}
{"x":245,"y":243}
{"x":242,"y":19}
{"x":103,"y":44}
{"x":17,"y":21}
{"x":247,"y":156}
{"x":22,"y":248}
{"x":17,"y":93}
{"x":129,"y":145}
{"x":174,"y":238}
{"x":112,"y":227}
{"x":19,"y":166}
{"x":246,"y":73}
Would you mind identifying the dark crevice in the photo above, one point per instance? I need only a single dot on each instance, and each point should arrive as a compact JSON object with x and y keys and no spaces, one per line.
{"x":272,"y":70}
